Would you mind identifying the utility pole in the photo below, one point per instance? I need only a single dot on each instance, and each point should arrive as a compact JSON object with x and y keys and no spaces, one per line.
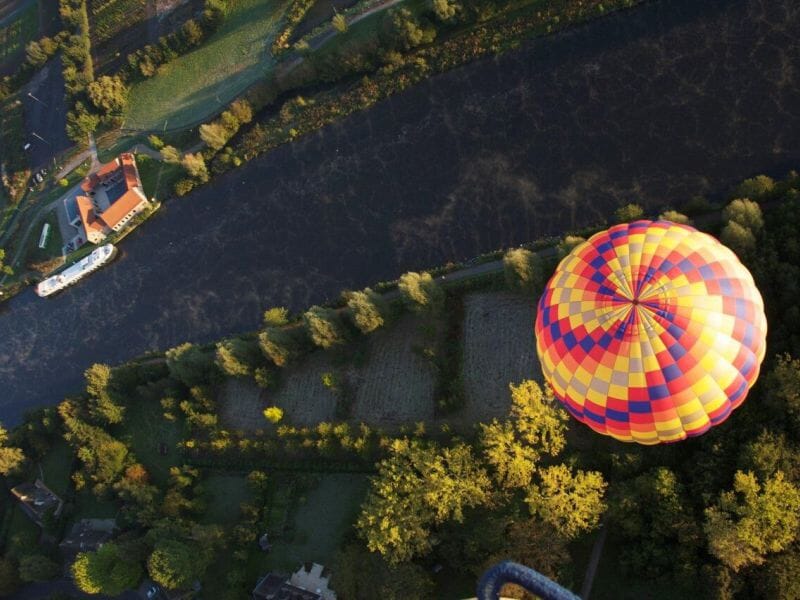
{"x":35,"y":98}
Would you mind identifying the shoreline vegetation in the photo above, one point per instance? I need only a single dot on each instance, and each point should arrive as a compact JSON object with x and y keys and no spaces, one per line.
{"x":151,"y":441}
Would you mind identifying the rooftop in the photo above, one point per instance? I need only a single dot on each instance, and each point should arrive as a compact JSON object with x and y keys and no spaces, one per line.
{"x":275,"y":587}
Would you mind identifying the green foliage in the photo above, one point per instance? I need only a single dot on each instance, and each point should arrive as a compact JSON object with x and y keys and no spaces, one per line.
{"x":156,"y":142}
{"x":273,"y":414}
{"x":532,"y":543}
{"x":783,"y":384}
{"x":628,"y":213}
{"x":566,"y":245}
{"x":324,"y":326}
{"x":4,"y":268}
{"x":675,"y":217}
{"x":407,"y":31}
{"x":109,"y":94}
{"x":739,"y":239}
{"x":753,"y":520}
{"x":279,"y":345}
{"x":339,"y":23}
{"x":173,"y":564}
{"x":779,"y":579}
{"x":744,"y":212}
{"x":571,"y":502}
{"x":366,"y":310}
{"x":191,"y":365}
{"x":238,"y":357}
{"x":523,"y":270}
{"x":756,"y":188}
{"x":445,"y":10}
{"x":418,"y":486}
{"x":653,"y":515}
{"x":362,"y":575}
{"x":101,"y":404}
{"x":106,"y":571}
{"x":195,"y":166}
{"x":35,"y":567}
{"x":420,"y":291}
{"x":276,"y":317}
{"x":11,"y":458}
{"x":9,"y":576}
{"x":170,"y":154}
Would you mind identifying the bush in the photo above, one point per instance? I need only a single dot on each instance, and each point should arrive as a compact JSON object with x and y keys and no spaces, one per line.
{"x":420,"y":292}
{"x":744,"y":212}
{"x":628,"y":213}
{"x":756,"y":188}
{"x":524,"y":271}
{"x":675,"y":217}
{"x":324,"y":326}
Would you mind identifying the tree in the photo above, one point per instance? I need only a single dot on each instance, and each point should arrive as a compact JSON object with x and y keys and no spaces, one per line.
{"x":195,"y":166}
{"x":753,"y":520}
{"x":242,"y":110}
{"x":567,"y":244}
{"x":418,"y":486}
{"x":523,"y":270}
{"x":420,"y":291}
{"x":214,"y":135}
{"x":171,"y":155}
{"x":173,"y":564}
{"x":779,"y":579}
{"x":756,"y":188}
{"x":744,"y":212}
{"x":156,"y":142}
{"x":572,"y":502}
{"x":324,"y":326}
{"x":192,"y":33}
{"x":532,"y":543}
{"x":279,"y":345}
{"x":9,"y":576}
{"x":276,"y":317}
{"x":784,"y":390}
{"x":35,"y":55}
{"x":654,"y":517}
{"x":10,"y":457}
{"x":105,"y":571}
{"x":36,"y":567}
{"x":675,"y":217}
{"x":101,"y":405}
{"x":80,"y":123}
{"x":366,"y":310}
{"x":238,"y":357}
{"x":445,"y":10}
{"x":4,"y":268}
{"x":273,"y":414}
{"x":362,"y":575}
{"x":628,"y":213}
{"x":739,"y":239}
{"x":191,"y":365}
{"x":407,"y":30}
{"x":109,"y":94}
{"x":339,"y":23}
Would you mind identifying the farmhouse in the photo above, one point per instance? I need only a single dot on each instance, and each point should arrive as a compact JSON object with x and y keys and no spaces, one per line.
{"x":112,"y":197}
{"x":36,"y":500}
{"x":309,"y":582}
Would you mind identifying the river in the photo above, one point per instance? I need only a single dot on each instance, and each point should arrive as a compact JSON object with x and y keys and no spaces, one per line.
{"x":673,"y":99}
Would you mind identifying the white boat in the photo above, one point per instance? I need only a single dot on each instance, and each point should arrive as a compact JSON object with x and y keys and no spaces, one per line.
{"x":80,"y":269}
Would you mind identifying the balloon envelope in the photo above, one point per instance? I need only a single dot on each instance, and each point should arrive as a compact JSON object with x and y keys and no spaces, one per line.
{"x":651,"y":332}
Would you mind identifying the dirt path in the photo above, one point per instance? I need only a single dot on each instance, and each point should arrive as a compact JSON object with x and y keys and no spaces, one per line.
{"x":151,"y":14}
{"x":591,"y":570}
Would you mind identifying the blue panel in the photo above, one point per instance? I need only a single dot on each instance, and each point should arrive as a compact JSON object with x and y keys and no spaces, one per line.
{"x":605,"y":341}
{"x":657,"y":392}
{"x":587,"y":343}
{"x":671,"y":372}
{"x":598,"y":262}
{"x":617,"y":415}
{"x":555,"y":331}
{"x":639,"y":406}
{"x":594,"y":417}
{"x":570,"y":340}
{"x":604,"y":247}
{"x":707,"y":272}
{"x":676,"y":351}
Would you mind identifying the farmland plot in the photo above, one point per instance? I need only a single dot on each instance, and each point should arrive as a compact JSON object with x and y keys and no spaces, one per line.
{"x":302,"y":396}
{"x":241,"y":405}
{"x":110,"y":17}
{"x":499,"y":348}
{"x":397,"y":385}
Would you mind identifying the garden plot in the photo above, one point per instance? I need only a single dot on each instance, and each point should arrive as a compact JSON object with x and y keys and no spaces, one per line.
{"x":241,"y":405}
{"x":302,"y":396}
{"x":499,"y":349}
{"x":397,"y":385}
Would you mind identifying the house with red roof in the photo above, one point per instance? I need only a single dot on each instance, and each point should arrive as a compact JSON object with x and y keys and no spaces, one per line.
{"x":111,"y":197}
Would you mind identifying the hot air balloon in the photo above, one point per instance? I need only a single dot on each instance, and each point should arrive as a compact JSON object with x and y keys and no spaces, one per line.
{"x":651,"y":332}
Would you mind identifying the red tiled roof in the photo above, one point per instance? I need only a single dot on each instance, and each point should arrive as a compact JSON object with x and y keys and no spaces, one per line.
{"x":86,"y":210}
{"x":130,"y":198}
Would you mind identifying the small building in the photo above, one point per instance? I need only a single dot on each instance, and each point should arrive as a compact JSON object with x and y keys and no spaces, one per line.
{"x":36,"y":500}
{"x":309,"y":582}
{"x":87,"y":535}
{"x":112,"y":197}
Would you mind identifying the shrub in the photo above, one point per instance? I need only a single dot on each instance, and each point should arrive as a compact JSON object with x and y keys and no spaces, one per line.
{"x":628,"y":213}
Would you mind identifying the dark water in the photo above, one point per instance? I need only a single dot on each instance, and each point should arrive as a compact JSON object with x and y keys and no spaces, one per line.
{"x":674,"y":99}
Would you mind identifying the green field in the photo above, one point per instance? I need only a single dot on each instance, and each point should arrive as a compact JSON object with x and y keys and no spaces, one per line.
{"x":109,"y":17}
{"x":158,"y":178}
{"x":225,"y":493}
{"x":195,"y":85}
{"x":15,"y":36}
{"x":145,"y":430}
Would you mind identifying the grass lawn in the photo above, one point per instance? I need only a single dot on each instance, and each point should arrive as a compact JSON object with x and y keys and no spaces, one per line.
{"x":16,"y":35}
{"x":22,"y":534}
{"x":321,"y":519}
{"x":145,"y":430}
{"x":52,"y":249}
{"x":158,"y":178}
{"x":196,"y":84}
{"x":89,"y":506}
{"x":225,"y":493}
{"x":57,"y":467}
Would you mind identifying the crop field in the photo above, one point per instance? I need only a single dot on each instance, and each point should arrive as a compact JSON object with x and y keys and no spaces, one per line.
{"x":397,"y":385}
{"x":109,"y":17}
{"x":195,"y":85}
{"x":499,"y":348}
{"x":15,"y":36}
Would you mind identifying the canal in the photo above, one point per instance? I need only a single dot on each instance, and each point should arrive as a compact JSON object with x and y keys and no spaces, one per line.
{"x":675,"y":99}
